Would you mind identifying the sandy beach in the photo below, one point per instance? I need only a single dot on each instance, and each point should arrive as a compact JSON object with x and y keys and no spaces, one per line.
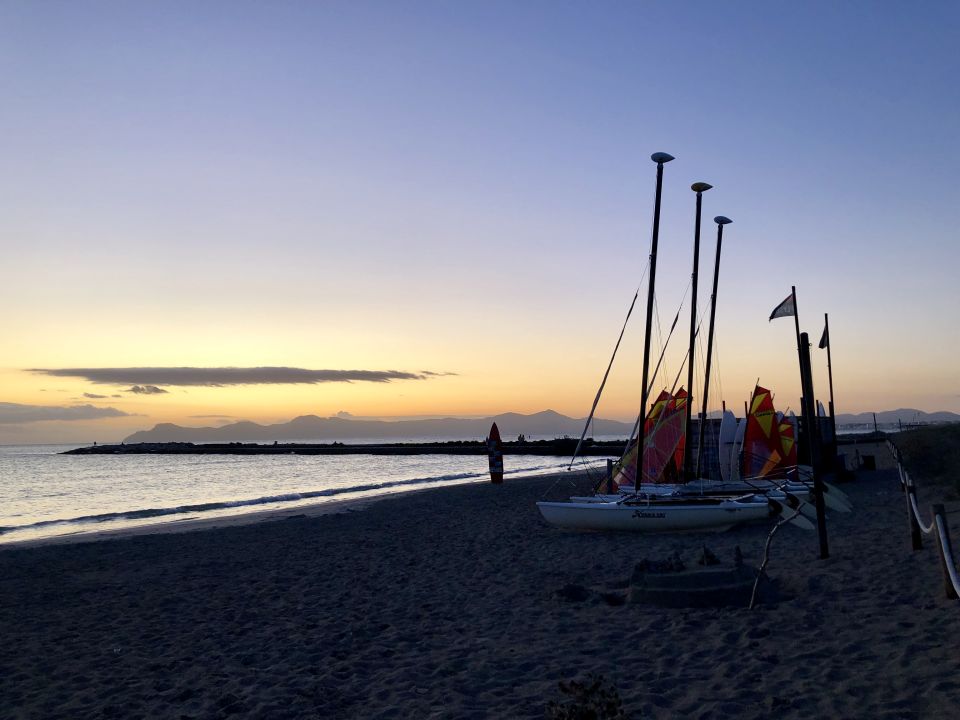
{"x":445,"y":604}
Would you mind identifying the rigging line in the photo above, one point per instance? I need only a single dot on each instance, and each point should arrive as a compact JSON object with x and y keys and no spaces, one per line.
{"x":657,"y":424}
{"x":663,"y":345}
{"x":660,"y":343}
{"x":603,"y":382}
{"x":635,"y":294}
{"x":643,"y":413}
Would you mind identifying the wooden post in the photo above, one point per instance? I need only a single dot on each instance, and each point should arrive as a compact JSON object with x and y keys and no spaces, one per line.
{"x":946,"y":553}
{"x":813,"y":440}
{"x":916,"y":537}
{"x":833,"y":417}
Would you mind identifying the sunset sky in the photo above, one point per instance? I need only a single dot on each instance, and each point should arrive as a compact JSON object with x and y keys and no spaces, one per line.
{"x":450,"y":203}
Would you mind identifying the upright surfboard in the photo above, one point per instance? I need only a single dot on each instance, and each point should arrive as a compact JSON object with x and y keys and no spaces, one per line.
{"x":495,"y":452}
{"x":736,"y":450}
{"x":728,"y":431}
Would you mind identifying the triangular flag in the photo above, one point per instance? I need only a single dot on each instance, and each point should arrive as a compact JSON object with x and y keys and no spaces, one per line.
{"x":785,"y":309}
{"x":825,"y":338}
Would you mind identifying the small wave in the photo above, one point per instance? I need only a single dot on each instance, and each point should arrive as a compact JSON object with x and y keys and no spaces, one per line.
{"x":145,"y":513}
{"x":280,"y":498}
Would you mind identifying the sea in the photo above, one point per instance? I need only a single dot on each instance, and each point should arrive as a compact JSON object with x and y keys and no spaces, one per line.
{"x":46,"y":494}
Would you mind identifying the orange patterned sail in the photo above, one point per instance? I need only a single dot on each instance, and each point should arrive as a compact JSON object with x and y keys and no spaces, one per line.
{"x":663,"y":453}
{"x":625,"y":471}
{"x":788,"y":441}
{"x":678,"y":456}
{"x":762,"y":447}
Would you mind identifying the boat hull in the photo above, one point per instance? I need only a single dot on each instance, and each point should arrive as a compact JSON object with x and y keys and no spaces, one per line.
{"x":654,"y":517}
{"x":694,"y":489}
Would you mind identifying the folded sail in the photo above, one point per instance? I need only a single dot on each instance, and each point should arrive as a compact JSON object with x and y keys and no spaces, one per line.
{"x":659,"y":430}
{"x":788,"y":440}
{"x":625,"y":470}
{"x":762,"y":447}
{"x":663,"y":451}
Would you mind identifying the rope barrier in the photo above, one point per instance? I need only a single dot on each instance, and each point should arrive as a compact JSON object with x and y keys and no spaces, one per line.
{"x":927,"y":529}
{"x":938,"y":521}
{"x":947,"y":554}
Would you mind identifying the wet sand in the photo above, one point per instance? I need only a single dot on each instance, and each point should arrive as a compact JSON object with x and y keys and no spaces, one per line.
{"x":444,"y":603}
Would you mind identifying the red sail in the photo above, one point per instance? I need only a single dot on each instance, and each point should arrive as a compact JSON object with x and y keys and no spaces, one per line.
{"x":625,"y":472}
{"x":788,"y":440}
{"x":665,"y":441}
{"x":762,"y":448}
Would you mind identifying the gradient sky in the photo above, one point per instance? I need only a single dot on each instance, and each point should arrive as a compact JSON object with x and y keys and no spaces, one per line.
{"x":466,"y":188}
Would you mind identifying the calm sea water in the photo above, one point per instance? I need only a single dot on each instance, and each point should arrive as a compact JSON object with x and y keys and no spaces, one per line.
{"x":44,"y":493}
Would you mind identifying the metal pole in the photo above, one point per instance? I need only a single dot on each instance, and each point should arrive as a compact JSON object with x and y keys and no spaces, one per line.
{"x":660,"y":159}
{"x":699,"y":188}
{"x":720,"y":220}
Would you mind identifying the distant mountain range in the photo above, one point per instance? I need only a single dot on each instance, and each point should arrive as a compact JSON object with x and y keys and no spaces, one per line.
{"x":547,"y":424}
{"x":907,"y":416}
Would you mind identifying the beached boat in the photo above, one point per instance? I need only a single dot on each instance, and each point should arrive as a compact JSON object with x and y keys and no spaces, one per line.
{"x":659,"y":453}
{"x":658,"y":513}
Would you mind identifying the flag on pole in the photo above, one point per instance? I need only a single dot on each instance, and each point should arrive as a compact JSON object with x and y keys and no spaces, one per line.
{"x":787,"y":308}
{"x":825,"y":338}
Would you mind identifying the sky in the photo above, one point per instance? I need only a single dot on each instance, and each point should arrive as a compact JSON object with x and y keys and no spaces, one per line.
{"x":435,"y":208}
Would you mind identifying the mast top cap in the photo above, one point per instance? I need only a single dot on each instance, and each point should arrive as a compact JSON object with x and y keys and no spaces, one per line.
{"x":700,"y":187}
{"x":660,"y":158}
{"x":721,"y":220}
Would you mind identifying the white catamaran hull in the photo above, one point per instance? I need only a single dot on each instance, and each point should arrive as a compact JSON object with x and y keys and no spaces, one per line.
{"x":715,"y":516}
{"x":770,"y":489}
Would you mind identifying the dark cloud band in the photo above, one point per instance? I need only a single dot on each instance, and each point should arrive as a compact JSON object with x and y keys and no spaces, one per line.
{"x":219,"y":377}
{"x":17,"y":413}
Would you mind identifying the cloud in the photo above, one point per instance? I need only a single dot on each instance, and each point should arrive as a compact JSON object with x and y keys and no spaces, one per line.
{"x":94,"y":396}
{"x":146,"y":390}
{"x":428,"y":373}
{"x":17,"y":413}
{"x":220,"y":377}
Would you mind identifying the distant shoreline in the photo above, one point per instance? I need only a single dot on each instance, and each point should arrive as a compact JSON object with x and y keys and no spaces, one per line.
{"x":560,"y":447}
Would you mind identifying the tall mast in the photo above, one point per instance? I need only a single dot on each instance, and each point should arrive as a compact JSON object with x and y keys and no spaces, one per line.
{"x":699,"y":188}
{"x":660,"y":159}
{"x":720,"y":220}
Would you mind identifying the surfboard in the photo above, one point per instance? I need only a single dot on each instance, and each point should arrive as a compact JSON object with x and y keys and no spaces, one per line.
{"x":728,"y":431}
{"x":735,"y":450}
{"x":495,"y":452}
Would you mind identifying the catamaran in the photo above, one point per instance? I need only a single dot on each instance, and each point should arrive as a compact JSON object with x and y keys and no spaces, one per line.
{"x":660,"y":447}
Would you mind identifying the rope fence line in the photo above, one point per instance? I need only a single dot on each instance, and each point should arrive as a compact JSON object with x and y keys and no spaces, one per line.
{"x":951,"y":579}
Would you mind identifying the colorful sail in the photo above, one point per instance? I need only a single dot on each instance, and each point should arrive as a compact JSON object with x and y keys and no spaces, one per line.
{"x":762,"y":449}
{"x":664,"y":444}
{"x":625,"y":471}
{"x":788,"y":440}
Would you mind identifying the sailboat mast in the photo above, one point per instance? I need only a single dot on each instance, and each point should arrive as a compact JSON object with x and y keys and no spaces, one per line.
{"x":720,"y":220}
{"x":660,"y":159}
{"x":699,"y":188}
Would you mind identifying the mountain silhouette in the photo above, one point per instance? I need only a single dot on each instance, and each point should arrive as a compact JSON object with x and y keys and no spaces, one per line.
{"x":547,"y":424}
